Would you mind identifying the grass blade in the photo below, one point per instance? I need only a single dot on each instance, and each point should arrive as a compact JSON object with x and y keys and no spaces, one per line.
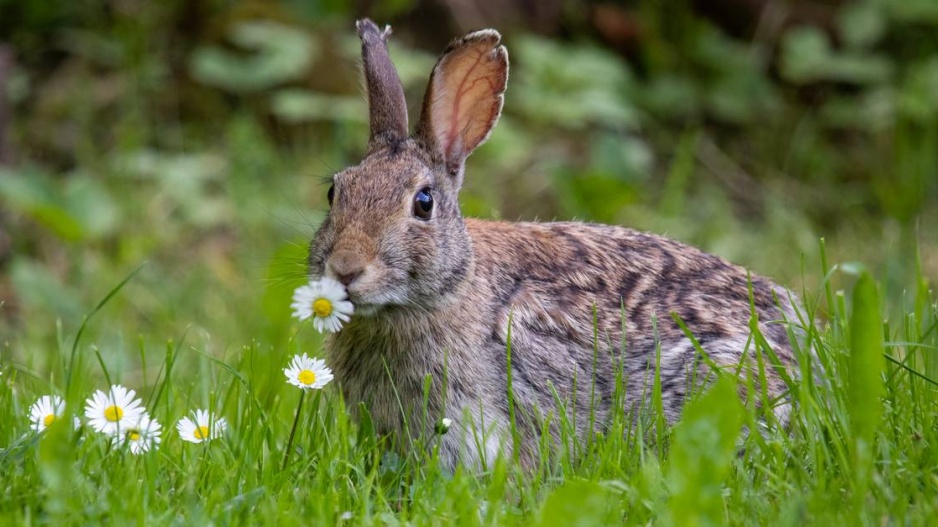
{"x":84,"y":323}
{"x":865,"y":387}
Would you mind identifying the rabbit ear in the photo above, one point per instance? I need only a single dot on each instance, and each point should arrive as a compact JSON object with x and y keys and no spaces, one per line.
{"x":464,"y":98}
{"x":387,"y":107}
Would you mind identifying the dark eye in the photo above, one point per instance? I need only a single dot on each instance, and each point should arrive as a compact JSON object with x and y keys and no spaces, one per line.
{"x":330,"y":194}
{"x":423,"y":204}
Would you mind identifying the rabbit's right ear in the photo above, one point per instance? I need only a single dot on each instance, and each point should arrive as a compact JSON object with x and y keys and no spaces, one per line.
{"x":464,"y":99}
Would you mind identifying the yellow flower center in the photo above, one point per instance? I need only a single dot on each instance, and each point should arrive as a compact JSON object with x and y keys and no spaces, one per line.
{"x":201,"y":432}
{"x":113,"y":413}
{"x":322,"y":307}
{"x":306,"y":377}
{"x":48,"y":419}
{"x":133,"y":435}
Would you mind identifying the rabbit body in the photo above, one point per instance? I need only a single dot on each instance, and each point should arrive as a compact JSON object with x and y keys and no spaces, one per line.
{"x":440,"y":299}
{"x":544,"y":280}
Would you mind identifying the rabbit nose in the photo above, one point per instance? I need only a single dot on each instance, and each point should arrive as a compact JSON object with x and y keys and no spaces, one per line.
{"x":346,"y":267}
{"x":348,"y":278}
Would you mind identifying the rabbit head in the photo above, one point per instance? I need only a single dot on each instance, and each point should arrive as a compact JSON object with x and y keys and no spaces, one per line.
{"x":394,"y":234}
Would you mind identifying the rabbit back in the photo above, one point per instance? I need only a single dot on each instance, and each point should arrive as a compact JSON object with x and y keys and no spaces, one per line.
{"x":585,"y":310}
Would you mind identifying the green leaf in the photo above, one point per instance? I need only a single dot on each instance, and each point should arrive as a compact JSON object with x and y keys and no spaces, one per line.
{"x":923,"y":12}
{"x":807,"y":56}
{"x":576,"y":503}
{"x":865,"y":387}
{"x":36,"y":195}
{"x":90,"y":203}
{"x":861,"y":24}
{"x":572,"y":87}
{"x":56,"y":452}
{"x":296,"y":106}
{"x":280,"y":53}
{"x":702,"y":454}
{"x":918,"y":93}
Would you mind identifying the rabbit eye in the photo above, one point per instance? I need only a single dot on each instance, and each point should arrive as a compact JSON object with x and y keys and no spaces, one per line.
{"x":423,"y":204}
{"x":330,"y":194}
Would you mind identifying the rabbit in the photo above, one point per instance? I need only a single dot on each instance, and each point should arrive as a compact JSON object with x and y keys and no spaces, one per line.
{"x":441,"y":297}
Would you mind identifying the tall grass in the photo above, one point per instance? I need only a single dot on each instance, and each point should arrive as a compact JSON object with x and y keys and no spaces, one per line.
{"x":857,"y":450}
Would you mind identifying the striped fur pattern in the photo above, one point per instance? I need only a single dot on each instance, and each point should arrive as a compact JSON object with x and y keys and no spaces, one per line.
{"x":440,"y":298}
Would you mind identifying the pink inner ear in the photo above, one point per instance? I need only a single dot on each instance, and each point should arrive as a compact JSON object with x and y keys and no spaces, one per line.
{"x":460,"y":121}
{"x":468,"y":84}
{"x":454,"y":148}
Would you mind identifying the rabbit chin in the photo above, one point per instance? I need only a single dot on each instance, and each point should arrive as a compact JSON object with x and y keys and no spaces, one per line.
{"x":373,"y":303}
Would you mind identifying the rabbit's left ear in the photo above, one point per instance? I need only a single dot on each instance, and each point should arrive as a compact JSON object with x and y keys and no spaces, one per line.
{"x":464,"y":99}
{"x":387,"y":107}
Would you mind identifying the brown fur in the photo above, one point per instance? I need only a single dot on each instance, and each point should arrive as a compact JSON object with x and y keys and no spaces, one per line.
{"x":438,"y":298}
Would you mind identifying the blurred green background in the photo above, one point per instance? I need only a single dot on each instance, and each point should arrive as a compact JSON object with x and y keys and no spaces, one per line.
{"x":195,"y":135}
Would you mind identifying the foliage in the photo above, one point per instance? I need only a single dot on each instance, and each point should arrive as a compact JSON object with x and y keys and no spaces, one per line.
{"x":190,"y":137}
{"x":833,"y":463}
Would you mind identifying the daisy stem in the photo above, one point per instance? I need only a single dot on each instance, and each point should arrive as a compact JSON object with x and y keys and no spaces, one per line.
{"x":296,"y":420}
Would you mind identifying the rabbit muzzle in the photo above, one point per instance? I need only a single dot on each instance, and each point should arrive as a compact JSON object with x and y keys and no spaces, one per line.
{"x":347,"y":267}
{"x":356,"y":272}
{"x":369,"y":283}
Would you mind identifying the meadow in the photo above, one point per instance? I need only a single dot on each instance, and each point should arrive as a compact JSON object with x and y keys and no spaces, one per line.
{"x":157,"y":205}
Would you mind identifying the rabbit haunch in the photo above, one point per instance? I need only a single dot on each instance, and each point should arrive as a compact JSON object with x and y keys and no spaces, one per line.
{"x":437,"y":295}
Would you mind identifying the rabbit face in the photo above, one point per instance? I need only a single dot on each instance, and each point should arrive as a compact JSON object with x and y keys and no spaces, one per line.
{"x":394,"y":235}
{"x":393,"y":241}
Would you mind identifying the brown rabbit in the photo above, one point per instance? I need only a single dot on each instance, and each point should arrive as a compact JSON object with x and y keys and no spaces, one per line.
{"x":436,"y":295}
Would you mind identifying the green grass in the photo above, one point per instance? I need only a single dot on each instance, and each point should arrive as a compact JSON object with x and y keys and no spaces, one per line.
{"x":859,"y":449}
{"x":203,"y":198}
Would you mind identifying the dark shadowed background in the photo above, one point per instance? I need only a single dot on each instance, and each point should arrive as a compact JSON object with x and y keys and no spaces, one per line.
{"x":195,"y":135}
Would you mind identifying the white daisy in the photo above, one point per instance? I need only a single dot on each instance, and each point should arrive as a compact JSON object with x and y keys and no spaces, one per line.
{"x":141,"y":435}
{"x":205,"y":427}
{"x":113,"y":411}
{"x":308,"y":373}
{"x":45,"y":411}
{"x":325,"y":302}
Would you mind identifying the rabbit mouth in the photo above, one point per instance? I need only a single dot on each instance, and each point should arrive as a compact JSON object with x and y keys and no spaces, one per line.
{"x":372,"y":303}
{"x":367,"y":310}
